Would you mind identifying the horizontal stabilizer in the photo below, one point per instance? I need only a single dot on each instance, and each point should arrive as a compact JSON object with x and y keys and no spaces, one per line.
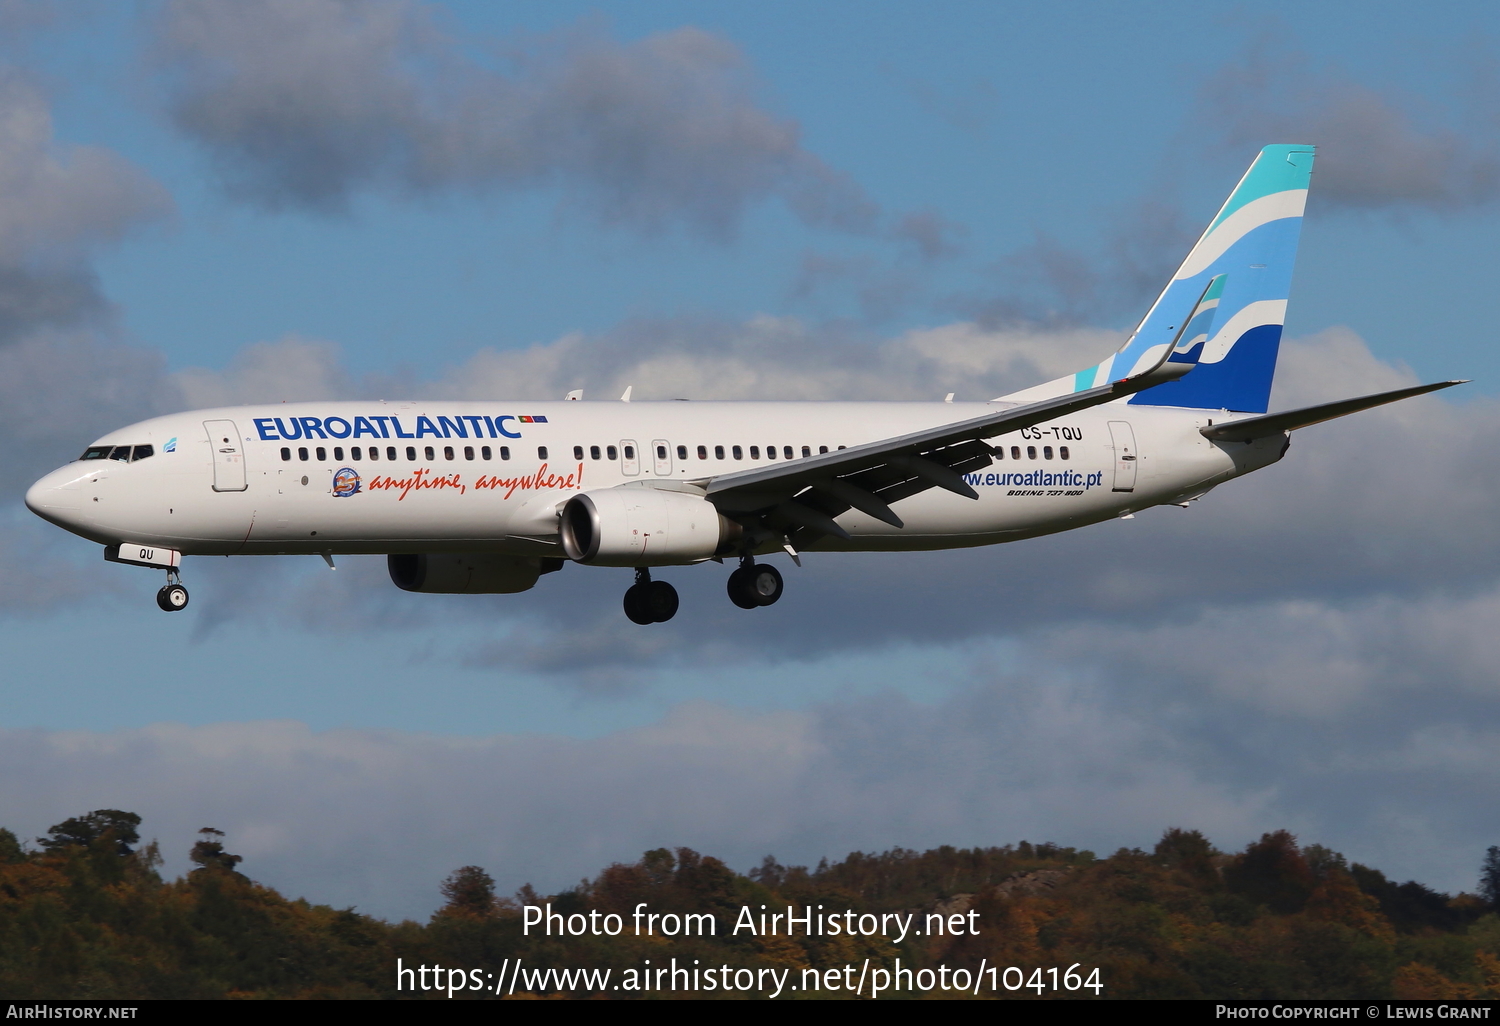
{"x":1276,"y":423}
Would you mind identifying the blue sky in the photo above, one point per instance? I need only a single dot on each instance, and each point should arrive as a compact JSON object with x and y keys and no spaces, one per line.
{"x":209,"y":202}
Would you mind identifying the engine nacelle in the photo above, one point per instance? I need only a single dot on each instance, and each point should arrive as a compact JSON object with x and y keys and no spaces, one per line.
{"x":467,"y":573}
{"x":644,"y":527}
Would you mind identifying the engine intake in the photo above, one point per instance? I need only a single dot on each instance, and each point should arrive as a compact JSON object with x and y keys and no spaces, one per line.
{"x":467,"y":573}
{"x":631,"y":526}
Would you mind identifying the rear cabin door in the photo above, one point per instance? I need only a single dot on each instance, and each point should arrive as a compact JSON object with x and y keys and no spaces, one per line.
{"x":229,"y":455}
{"x":1123,"y":438}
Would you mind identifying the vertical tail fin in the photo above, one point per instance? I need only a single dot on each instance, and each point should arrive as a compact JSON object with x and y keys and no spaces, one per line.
{"x":1232,"y":289}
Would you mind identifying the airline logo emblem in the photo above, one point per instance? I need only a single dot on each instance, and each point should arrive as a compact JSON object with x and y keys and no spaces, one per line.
{"x":171,"y":445}
{"x":345,"y":482}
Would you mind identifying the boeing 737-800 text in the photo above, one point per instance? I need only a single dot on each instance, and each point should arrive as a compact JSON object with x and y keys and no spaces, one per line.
{"x":485,"y":497}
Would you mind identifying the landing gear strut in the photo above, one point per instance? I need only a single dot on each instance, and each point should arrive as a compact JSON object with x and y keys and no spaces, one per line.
{"x":648,"y":601}
{"x":754,"y":584}
{"x":173,"y":596}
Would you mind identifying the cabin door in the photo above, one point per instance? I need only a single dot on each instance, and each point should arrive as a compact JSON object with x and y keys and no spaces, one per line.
{"x":229,"y":455}
{"x":1123,"y":439}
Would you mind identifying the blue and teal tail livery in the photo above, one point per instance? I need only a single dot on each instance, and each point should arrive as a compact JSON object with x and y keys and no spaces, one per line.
{"x":1223,"y":311}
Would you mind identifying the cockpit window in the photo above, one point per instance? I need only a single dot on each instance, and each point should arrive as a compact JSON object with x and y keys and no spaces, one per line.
{"x":123,"y":453}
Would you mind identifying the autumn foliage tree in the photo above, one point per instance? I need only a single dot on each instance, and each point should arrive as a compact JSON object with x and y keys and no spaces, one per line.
{"x":86,"y":914}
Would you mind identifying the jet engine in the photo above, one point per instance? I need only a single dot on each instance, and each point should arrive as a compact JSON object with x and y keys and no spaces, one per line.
{"x":632,"y":526}
{"x":467,"y":573}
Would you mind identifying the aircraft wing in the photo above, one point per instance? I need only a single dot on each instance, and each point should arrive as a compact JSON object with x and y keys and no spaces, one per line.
{"x":799,"y":499}
{"x":1276,"y":423}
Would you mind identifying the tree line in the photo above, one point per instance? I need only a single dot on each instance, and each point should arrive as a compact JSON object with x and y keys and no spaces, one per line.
{"x":86,"y":913}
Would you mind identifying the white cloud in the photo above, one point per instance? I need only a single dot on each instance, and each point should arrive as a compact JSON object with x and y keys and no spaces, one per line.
{"x":1375,"y":151}
{"x":58,"y":204}
{"x":308,"y":102}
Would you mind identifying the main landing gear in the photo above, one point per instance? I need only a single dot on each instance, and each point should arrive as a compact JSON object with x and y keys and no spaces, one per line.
{"x":173,"y":596}
{"x":648,"y":601}
{"x":754,"y":584}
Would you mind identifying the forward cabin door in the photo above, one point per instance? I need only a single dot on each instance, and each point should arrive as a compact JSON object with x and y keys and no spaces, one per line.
{"x":1123,"y":440}
{"x":229,"y":455}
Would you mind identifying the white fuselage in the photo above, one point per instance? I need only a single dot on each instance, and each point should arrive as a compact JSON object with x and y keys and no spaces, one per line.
{"x":393,"y":477}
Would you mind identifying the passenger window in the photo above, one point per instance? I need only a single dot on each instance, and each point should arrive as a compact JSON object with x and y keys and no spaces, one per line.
{"x":322,"y":454}
{"x":843,"y":447}
{"x":141,"y":452}
{"x":96,"y":452}
{"x":121,"y":453}
{"x":630,"y":452}
{"x":682,"y":452}
{"x":786,"y":450}
{"x":338,"y":453}
{"x":718,"y":452}
{"x":468,"y":452}
{"x":355,"y":453}
{"x":770,"y":452}
{"x":1031,"y":452}
{"x":374,"y":452}
{"x":594,"y":452}
{"x":541,"y":452}
{"x":611,"y":453}
{"x":448,"y":452}
{"x":302,"y":454}
{"x":703,"y":452}
{"x":1015,"y":452}
{"x":1062,"y":450}
{"x":411,"y":453}
{"x":806,"y":452}
{"x":485,"y":452}
{"x":390,"y":452}
{"x":822,"y":449}
{"x":286,"y":454}
{"x":998,"y":452}
{"x":1047,"y":451}
{"x":427,"y":451}
{"x":505,"y":452}
{"x":755,"y":452}
{"x":737,"y":453}
{"x":578,"y":452}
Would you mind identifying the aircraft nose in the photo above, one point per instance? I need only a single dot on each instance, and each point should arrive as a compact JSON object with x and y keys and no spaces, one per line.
{"x":58,"y":497}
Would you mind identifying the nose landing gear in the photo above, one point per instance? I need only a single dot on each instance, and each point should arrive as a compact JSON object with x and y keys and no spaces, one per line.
{"x":173,"y":596}
{"x":648,"y":601}
{"x":754,"y":584}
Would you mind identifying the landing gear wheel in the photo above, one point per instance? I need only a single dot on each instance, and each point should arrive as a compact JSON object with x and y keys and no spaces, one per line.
{"x":740,"y":592}
{"x":758,"y":584}
{"x":661,"y":601}
{"x":635,"y":604}
{"x":765,"y":583}
{"x":648,"y":601}
{"x":172,"y":597}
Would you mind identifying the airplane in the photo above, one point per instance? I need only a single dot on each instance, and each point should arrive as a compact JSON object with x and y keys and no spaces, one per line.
{"x":486,"y":497}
